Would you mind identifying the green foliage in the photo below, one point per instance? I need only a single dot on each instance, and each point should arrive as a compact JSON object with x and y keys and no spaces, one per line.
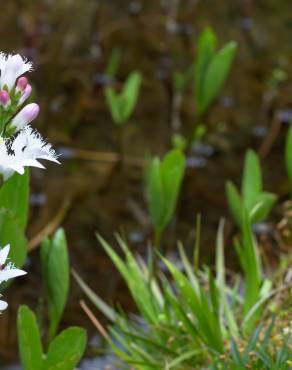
{"x":247,"y":251}
{"x":200,"y":313}
{"x":64,"y":352}
{"x":253,"y":200}
{"x":163,"y":182}
{"x":67,"y":349}
{"x":14,"y":196}
{"x":288,"y":156}
{"x":260,"y":352}
{"x":12,"y":233}
{"x":122,"y":104}
{"x":55,"y":266}
{"x":211,"y":69}
{"x":29,"y":341}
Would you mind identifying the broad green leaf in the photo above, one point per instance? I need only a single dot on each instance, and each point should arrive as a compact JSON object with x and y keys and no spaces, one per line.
{"x":235,"y":202}
{"x":66,"y":350}
{"x":216,"y":74}
{"x":12,"y":233}
{"x":122,"y":104}
{"x":130,"y":94}
{"x":262,"y":207}
{"x":172,"y":171}
{"x":29,"y":341}
{"x":288,"y":156}
{"x":55,"y":266}
{"x":163,"y":182}
{"x":14,"y":195}
{"x":251,"y":179}
{"x":205,"y":53}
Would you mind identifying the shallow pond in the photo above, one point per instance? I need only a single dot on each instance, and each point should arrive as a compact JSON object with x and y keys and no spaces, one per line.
{"x":70,"y":43}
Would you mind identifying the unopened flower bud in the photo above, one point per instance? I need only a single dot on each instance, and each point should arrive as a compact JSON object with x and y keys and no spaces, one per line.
{"x":4,"y":99}
{"x":21,"y":83}
{"x":26,"y":93}
{"x":25,"y":116}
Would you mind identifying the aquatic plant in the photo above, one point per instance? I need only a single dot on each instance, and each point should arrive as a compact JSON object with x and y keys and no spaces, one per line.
{"x":186,"y":317}
{"x":22,"y":147}
{"x":211,"y":68}
{"x":185,"y":322}
{"x":122,"y":104}
{"x":163,"y":179}
{"x":253,"y":201}
{"x":64,"y":352}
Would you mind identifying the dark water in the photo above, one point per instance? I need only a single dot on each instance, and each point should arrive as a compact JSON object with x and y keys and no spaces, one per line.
{"x":70,"y":43}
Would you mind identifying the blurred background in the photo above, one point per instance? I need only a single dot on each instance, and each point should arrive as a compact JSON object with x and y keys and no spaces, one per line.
{"x":71,"y":43}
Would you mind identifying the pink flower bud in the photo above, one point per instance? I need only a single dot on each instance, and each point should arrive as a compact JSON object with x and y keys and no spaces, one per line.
{"x":25,"y":116}
{"x":26,"y":93}
{"x":21,"y":83}
{"x":4,"y":99}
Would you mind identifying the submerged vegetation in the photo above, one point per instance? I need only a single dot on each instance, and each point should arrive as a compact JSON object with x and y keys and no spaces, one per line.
{"x":179,"y":308}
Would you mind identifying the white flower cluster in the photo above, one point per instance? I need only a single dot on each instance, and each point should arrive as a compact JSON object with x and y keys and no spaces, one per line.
{"x":24,"y":150}
{"x":20,"y":145}
{"x":7,"y":271}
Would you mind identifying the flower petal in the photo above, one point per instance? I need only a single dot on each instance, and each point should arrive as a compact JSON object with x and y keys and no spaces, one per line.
{"x":3,"y":305}
{"x":4,"y":254}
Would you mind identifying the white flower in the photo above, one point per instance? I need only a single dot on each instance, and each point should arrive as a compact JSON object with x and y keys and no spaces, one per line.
{"x":7,"y":271}
{"x":24,"y":150}
{"x":3,"y":305}
{"x":11,"y":67}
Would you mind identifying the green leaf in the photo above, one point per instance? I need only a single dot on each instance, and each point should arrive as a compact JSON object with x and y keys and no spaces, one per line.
{"x":55,"y":266}
{"x":251,"y":266}
{"x":12,"y":233}
{"x":288,"y":156}
{"x":14,"y":196}
{"x":163,"y":182}
{"x":66,"y":350}
{"x":205,"y":53}
{"x":225,"y":309}
{"x":263,"y":207}
{"x":235,"y":202}
{"x":29,"y":342}
{"x":172,"y":171}
{"x":251,"y":180}
{"x":123,"y":104}
{"x":130,"y":94}
{"x":112,"y":99}
{"x":216,"y":74}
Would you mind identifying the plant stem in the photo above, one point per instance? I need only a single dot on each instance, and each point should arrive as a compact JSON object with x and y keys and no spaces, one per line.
{"x":156,"y":251}
{"x":197,"y":243}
